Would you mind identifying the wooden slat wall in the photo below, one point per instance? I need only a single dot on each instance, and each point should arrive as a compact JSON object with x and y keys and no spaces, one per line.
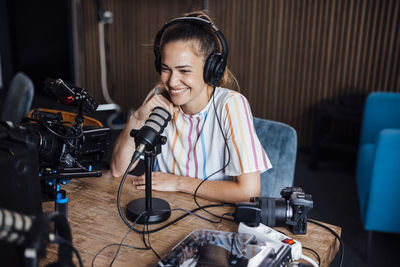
{"x":129,"y":45}
{"x":288,"y":55}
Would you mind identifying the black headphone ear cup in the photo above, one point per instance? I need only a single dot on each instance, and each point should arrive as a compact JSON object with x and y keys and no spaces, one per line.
{"x":214,"y":69}
{"x":209,"y":68}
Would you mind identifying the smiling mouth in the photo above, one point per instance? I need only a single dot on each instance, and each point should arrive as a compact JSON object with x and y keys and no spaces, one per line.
{"x":178,"y":91}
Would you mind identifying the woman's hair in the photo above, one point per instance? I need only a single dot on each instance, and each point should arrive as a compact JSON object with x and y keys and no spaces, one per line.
{"x":204,"y":42}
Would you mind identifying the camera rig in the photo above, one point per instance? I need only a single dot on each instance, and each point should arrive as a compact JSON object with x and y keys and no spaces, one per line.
{"x":38,"y":156}
{"x":68,"y":143}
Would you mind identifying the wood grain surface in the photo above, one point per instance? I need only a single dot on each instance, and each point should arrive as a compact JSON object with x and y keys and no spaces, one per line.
{"x":95,"y":223}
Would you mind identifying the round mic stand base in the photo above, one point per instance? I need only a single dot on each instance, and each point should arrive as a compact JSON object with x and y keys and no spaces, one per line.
{"x":159,"y":212}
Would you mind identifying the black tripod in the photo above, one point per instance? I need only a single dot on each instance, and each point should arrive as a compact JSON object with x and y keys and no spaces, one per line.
{"x":153,"y":210}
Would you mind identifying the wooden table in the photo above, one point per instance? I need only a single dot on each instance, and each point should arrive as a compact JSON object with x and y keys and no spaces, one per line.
{"x":95,"y":223}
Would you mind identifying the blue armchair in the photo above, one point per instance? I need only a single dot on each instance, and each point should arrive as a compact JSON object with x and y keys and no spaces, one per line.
{"x":378,"y":164}
{"x":280,"y":142}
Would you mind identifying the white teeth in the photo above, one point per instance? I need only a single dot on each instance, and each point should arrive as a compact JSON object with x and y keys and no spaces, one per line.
{"x":175,"y":91}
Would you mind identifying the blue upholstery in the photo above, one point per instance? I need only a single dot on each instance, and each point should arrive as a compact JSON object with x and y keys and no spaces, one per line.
{"x":19,"y":98}
{"x":378,"y":164}
{"x":280,"y":142}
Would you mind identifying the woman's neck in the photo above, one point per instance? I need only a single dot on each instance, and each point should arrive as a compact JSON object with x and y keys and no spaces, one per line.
{"x":192,"y":110}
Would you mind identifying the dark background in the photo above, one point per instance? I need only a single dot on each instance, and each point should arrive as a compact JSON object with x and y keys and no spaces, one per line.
{"x":36,"y":39}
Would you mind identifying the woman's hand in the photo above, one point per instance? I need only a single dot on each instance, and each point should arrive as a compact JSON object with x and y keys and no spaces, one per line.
{"x":161,"y":181}
{"x":156,"y":100}
{"x":125,"y":144}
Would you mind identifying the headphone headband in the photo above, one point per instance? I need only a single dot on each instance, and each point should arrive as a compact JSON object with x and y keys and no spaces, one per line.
{"x":215,"y":63}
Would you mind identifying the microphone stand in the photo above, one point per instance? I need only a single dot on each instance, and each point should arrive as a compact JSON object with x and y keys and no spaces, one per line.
{"x":156,"y":209}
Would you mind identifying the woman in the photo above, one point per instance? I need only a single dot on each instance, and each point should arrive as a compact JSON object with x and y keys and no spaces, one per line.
{"x":211,"y":135}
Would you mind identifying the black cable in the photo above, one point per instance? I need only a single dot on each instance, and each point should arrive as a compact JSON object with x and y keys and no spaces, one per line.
{"x":59,"y":135}
{"x":134,"y":158}
{"x":315,"y":253}
{"x":337,"y":237}
{"x":228,"y":214}
{"x":60,"y":240}
{"x":192,"y":212}
{"x":148,"y":239}
{"x":223,"y":168}
{"x":126,"y":235}
{"x":144,"y":237}
{"x":115,"y":244}
{"x":148,"y":246}
{"x":121,"y":243}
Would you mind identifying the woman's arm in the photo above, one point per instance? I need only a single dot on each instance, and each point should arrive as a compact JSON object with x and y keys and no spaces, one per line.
{"x":246,"y":186}
{"x":124,"y":146}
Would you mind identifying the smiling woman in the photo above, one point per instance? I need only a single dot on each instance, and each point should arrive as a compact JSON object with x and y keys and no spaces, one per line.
{"x":182,"y":77}
{"x":211,"y":136}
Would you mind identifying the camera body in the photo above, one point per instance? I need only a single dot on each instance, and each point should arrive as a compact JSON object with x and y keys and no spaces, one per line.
{"x":290,"y":210}
{"x":65,"y":148}
{"x":65,"y":145}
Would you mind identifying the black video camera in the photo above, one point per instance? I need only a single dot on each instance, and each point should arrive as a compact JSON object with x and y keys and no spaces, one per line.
{"x":290,"y":210}
{"x":66,"y":148}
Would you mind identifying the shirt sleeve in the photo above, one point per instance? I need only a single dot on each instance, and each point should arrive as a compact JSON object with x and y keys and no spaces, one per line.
{"x":245,"y":150}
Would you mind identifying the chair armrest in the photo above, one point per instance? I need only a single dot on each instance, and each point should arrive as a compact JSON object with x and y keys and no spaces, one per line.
{"x":383,"y":204}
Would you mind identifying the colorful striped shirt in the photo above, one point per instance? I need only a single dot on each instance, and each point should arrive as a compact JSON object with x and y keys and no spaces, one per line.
{"x":196,"y":145}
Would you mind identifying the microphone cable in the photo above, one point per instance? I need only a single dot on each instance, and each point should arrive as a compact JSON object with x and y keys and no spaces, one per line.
{"x":337,"y":237}
{"x":121,"y":244}
{"x":126,"y":235}
{"x":148,"y":240}
{"x":61,"y":241}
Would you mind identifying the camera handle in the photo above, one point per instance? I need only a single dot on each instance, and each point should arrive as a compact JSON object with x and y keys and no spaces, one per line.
{"x":60,"y":204}
{"x":63,"y":178}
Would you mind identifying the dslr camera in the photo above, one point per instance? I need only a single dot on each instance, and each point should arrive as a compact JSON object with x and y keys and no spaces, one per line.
{"x":290,"y":210}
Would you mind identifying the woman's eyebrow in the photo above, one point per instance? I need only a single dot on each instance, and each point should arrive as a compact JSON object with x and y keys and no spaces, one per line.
{"x":177,"y":67}
{"x":183,"y":66}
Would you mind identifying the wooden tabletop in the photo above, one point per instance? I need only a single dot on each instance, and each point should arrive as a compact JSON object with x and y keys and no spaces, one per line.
{"x":95,"y":223}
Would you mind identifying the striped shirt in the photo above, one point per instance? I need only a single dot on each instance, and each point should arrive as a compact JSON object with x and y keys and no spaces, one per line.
{"x":196,"y":145}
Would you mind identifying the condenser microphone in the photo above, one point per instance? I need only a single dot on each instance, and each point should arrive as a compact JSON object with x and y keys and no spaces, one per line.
{"x":14,"y":226}
{"x":148,"y":135}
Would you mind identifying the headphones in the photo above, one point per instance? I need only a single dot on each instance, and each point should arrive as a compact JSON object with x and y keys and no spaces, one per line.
{"x":215,"y":64}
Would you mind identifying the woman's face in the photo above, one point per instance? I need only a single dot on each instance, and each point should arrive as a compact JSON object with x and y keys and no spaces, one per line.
{"x":182,"y":76}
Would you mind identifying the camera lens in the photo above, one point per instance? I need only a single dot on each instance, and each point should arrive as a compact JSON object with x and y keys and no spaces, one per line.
{"x":49,"y":145}
{"x":273,"y":211}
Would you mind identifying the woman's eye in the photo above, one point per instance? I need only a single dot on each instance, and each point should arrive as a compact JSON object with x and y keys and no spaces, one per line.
{"x":164,"y":69}
{"x":185,"y":71}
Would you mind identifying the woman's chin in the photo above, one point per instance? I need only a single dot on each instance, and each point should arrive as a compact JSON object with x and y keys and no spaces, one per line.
{"x":178,"y":100}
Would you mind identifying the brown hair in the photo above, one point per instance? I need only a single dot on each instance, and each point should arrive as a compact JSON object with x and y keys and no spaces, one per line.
{"x":205,"y":42}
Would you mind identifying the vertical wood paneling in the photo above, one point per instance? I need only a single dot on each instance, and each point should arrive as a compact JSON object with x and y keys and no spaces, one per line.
{"x":311,"y":51}
{"x":287,"y":55}
{"x":129,"y":44}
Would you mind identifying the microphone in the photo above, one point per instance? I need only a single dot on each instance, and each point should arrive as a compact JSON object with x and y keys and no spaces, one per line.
{"x":148,"y":135}
{"x":33,"y":233}
{"x":14,"y":226}
{"x":148,"y":141}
